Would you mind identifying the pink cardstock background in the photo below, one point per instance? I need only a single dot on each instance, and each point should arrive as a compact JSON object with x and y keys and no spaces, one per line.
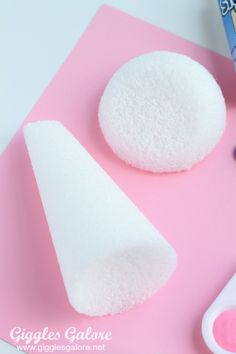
{"x":194,"y":210}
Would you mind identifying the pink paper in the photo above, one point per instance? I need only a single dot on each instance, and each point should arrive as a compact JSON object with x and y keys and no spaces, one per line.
{"x":195,"y":210}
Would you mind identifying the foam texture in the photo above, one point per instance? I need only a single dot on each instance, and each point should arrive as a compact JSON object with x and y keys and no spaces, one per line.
{"x":162,"y":112}
{"x":111,"y":257}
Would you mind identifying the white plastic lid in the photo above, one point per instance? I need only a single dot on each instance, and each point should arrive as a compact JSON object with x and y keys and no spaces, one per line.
{"x":226,"y":300}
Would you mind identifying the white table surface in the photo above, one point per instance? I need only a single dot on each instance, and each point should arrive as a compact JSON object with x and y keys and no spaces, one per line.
{"x":6,"y":348}
{"x":37,"y":36}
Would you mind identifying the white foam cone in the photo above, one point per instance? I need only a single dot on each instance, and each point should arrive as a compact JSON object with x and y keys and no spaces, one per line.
{"x":111,"y":257}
